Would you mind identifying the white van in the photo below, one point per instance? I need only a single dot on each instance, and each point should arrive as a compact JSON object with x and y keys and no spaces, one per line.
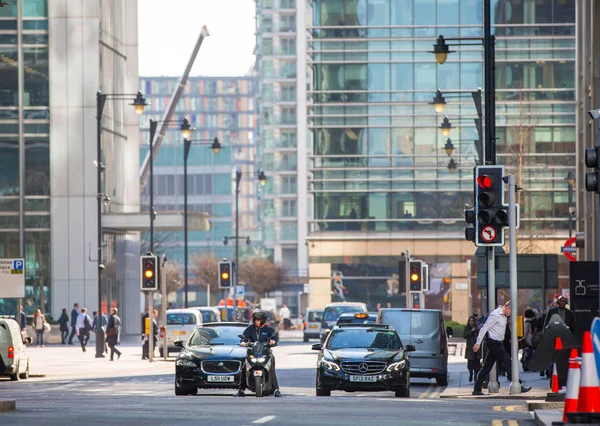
{"x":312,"y":323}
{"x":14,"y":358}
{"x":180,"y":324}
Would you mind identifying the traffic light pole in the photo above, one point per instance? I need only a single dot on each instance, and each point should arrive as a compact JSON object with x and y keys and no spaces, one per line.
{"x":493,"y":386}
{"x":407,"y":278}
{"x":515,"y":386}
{"x":150,"y":330}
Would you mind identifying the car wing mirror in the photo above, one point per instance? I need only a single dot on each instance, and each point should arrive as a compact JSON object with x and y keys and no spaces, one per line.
{"x":449,"y":331}
{"x":178,"y":343}
{"x":317,"y":347}
{"x":410,"y":348}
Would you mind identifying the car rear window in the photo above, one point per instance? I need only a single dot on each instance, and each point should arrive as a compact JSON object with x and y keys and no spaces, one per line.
{"x":411,"y":322}
{"x":181,"y":319}
{"x":5,"y":334}
{"x":315,"y":316}
{"x":332,"y":313}
{"x":209,"y":317}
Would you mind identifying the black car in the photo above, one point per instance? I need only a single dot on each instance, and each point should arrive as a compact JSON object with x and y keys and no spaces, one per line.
{"x":363,"y":357}
{"x":211,"y":358}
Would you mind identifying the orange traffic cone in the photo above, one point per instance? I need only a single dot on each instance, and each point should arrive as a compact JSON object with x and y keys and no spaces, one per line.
{"x":554,"y":382}
{"x":572,"y":384}
{"x":589,"y":388}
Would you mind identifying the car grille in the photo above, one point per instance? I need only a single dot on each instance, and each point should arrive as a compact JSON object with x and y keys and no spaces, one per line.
{"x":353,"y":367}
{"x":221,"y":367}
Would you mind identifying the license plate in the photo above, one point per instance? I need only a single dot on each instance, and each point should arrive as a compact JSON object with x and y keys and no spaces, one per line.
{"x":258,"y":373}
{"x":219,"y":378}
{"x":179,"y":332}
{"x":312,"y":326}
{"x":363,"y":378}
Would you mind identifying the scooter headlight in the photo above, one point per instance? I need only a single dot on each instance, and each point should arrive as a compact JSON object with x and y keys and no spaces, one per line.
{"x":258,"y":360}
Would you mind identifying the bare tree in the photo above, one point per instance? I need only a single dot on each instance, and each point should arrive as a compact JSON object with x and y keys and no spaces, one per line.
{"x":262,"y":275}
{"x":174,"y":277}
{"x":206,"y":269}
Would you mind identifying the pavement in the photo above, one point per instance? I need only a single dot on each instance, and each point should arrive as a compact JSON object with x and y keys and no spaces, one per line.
{"x":84,"y":365}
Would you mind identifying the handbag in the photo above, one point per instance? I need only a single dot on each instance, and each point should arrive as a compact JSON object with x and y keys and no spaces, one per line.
{"x":523,"y":343}
{"x":47,"y":327}
{"x":112,"y":331}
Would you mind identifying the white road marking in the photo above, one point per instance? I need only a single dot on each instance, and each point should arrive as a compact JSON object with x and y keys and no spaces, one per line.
{"x":264,"y":419}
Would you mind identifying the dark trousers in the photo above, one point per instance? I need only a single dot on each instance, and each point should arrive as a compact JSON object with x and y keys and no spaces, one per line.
{"x":63,"y":335}
{"x":274,"y":382}
{"x":474,"y":365}
{"x":496,"y":354}
{"x":73,"y":333}
{"x":146,"y":348}
{"x":113,"y":350}
{"x":84,"y":336}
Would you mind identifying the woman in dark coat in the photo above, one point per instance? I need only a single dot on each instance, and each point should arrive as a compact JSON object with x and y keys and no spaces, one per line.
{"x":63,"y":321}
{"x":113,"y":330}
{"x":473,"y":358}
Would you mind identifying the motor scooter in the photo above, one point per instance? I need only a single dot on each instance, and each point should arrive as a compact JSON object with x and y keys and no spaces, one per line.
{"x":259,"y":360}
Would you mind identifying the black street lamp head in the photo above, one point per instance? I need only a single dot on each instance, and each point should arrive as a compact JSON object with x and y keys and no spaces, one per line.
{"x":262,"y":178}
{"x":186,"y":129}
{"x":449,"y":147}
{"x":2,"y":4}
{"x":452,"y":166}
{"x":216,"y":146}
{"x":139,"y":102}
{"x":446,"y":126}
{"x":439,"y":102}
{"x":248,"y":241}
{"x":441,"y":50}
{"x":571,"y":178}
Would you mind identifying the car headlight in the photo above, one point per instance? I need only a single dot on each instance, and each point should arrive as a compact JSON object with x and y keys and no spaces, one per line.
{"x":396,"y":366}
{"x":330,"y":365}
{"x":183,"y":362}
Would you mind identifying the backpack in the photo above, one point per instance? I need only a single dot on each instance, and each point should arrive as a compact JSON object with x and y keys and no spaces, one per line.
{"x":481,"y":320}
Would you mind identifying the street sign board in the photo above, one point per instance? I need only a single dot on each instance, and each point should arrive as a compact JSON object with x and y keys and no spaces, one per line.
{"x":568,"y":248}
{"x":12,"y":277}
{"x":239,"y":292}
{"x":596,"y":342}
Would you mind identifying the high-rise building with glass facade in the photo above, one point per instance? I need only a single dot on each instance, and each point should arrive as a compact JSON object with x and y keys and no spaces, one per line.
{"x":54,"y":56}
{"x":282,"y":146}
{"x":221,"y":107}
{"x":380,"y":181}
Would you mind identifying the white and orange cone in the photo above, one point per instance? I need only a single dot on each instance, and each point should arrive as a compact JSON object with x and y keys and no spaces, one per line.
{"x":554,"y":382}
{"x":589,"y":388}
{"x":573,"y":379}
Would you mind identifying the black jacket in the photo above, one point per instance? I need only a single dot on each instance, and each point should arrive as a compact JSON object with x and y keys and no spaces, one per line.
{"x":263,"y":334}
{"x":569,"y":318}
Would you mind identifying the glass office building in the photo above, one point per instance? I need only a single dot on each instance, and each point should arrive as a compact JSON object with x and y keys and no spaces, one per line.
{"x":381,"y":180}
{"x":221,"y":107}
{"x":51,"y":66}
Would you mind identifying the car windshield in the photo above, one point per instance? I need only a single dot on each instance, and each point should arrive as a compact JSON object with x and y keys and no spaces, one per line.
{"x":364,"y":338}
{"x":332,"y":313}
{"x":216,"y":336}
{"x":412,"y":322}
{"x":209,"y":316}
{"x":315,"y":316}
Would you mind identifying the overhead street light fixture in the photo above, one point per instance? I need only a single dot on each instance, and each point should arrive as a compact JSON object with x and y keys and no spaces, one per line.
{"x":449,"y":147}
{"x":446,"y":126}
{"x":452,"y":166}
{"x":441,"y":50}
{"x":439,"y":102}
{"x":186,"y":129}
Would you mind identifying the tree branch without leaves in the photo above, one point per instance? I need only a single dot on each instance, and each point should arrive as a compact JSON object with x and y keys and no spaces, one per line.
{"x":262,"y":275}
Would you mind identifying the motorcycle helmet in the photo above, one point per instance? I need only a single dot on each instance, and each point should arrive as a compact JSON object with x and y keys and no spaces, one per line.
{"x":257,"y":314}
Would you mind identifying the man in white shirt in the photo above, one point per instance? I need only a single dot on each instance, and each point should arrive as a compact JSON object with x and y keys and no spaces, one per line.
{"x":83,"y":327}
{"x":285,"y":315}
{"x":494,"y":328}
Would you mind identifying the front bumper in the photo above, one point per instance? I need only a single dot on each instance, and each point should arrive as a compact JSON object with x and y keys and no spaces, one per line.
{"x":190,"y":377}
{"x":339,"y":380}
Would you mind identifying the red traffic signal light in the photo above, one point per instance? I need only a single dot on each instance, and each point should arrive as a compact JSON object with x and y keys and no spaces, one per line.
{"x":485,"y":182}
{"x":491,"y":215}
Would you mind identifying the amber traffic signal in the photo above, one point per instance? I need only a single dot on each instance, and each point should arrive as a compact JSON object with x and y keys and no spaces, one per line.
{"x":149,"y":275}
{"x":416,"y":275}
{"x":225,"y":272}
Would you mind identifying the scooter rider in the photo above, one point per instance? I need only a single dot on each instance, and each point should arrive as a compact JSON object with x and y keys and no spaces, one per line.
{"x":259,"y":332}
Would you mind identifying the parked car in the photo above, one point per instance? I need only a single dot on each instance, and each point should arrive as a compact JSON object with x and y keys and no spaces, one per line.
{"x":210,"y":358}
{"x":363,"y":357}
{"x":180,"y":325}
{"x":333,"y":311}
{"x":425,"y":329}
{"x":312,"y":323}
{"x":14,"y":358}
{"x":209,"y":314}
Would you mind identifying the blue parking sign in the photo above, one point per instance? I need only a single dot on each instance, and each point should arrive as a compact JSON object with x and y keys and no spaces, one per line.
{"x":595,"y":332}
{"x":18,"y":265}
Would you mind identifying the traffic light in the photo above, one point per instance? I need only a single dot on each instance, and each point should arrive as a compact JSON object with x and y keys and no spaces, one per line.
{"x":425,"y":277}
{"x":416,"y":275}
{"x":470,"y":229}
{"x":149,"y":268}
{"x":402,"y":275}
{"x":225,"y":274}
{"x":416,"y":300}
{"x":491,"y":212}
{"x":592,"y":179}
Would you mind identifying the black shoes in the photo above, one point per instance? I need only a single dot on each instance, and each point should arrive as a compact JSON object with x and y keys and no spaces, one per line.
{"x":119,"y":355}
{"x":525,"y":389}
{"x":277,"y":394}
{"x":239,"y":394}
{"x":477,"y":393}
{"x":470,"y":376}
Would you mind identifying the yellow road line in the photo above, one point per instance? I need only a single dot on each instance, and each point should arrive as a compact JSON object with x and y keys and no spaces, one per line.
{"x":513,"y":423}
{"x":496,"y":422}
{"x":497,"y":408}
{"x":427,"y":392}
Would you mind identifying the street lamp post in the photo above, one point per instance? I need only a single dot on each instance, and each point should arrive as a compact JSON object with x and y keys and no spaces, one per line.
{"x":187,"y":143}
{"x":570,"y":183}
{"x":139,"y":103}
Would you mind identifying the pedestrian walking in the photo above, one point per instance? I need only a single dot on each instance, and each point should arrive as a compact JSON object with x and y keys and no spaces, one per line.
{"x":154,"y":332}
{"x":144,"y":335}
{"x":113,"y":333}
{"x":495,"y":329}
{"x":84,"y":325}
{"x":95,"y":327}
{"x":285,"y":315}
{"x":473,"y":358}
{"x":74,"y":316}
{"x":63,"y":323}
{"x":39,"y":324}
{"x":528,"y":330}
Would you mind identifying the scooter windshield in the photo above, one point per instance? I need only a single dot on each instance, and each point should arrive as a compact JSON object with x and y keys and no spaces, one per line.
{"x":258,"y":349}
